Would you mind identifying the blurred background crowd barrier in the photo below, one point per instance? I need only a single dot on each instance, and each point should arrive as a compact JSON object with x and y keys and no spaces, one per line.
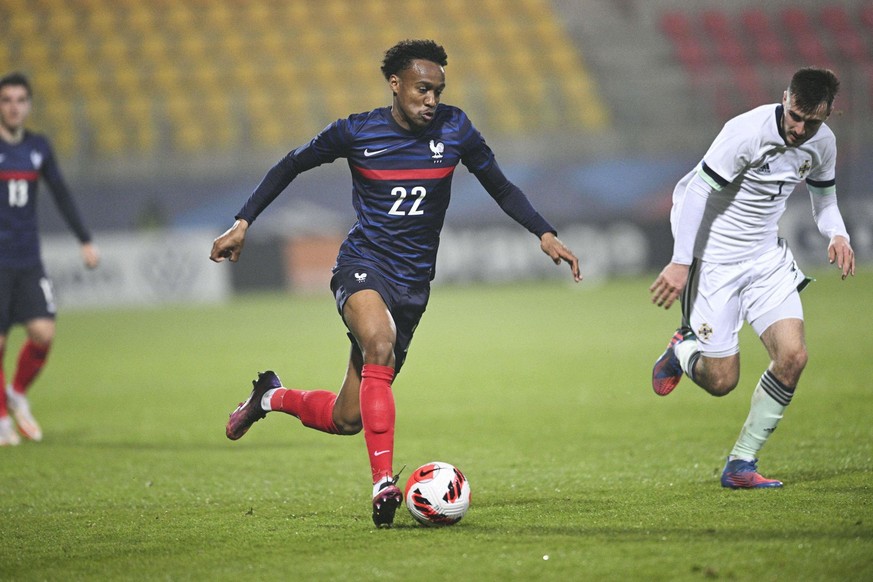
{"x":165,"y":115}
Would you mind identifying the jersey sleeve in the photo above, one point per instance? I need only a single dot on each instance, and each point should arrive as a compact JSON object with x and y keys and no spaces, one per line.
{"x":728,"y":155}
{"x":51,"y":173}
{"x":475,"y":153}
{"x":822,"y":179}
{"x":480,"y":160}
{"x":331,"y":143}
{"x":513,"y":201}
{"x":822,"y":187}
{"x":688,"y":220}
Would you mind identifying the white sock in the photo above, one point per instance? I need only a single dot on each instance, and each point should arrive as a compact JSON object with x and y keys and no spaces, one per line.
{"x":265,"y":399}
{"x":377,"y":486}
{"x":17,"y":399}
{"x":764,"y":414}
{"x":684,"y":350}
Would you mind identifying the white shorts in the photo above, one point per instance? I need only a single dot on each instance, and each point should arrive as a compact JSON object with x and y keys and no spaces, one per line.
{"x":720,"y":297}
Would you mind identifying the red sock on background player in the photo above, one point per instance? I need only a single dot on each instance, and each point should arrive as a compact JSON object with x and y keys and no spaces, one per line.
{"x":3,"y":410}
{"x":31,"y":359}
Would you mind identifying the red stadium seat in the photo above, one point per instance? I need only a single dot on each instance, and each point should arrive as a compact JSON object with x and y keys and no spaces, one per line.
{"x":687,"y":48}
{"x":865,"y":15}
{"x":770,"y":51}
{"x":716,"y":23}
{"x":676,"y":25}
{"x":692,"y":55}
{"x":835,"y":18}
{"x":727,"y":46}
{"x":805,"y":38}
{"x":749,"y":84}
{"x":796,"y":20}
{"x":852,"y":47}
{"x":765,"y":42}
{"x":845,"y":37}
{"x":756,"y":22}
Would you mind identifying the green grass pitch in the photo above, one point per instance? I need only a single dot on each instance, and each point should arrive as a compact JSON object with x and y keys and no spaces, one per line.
{"x":540,"y":393}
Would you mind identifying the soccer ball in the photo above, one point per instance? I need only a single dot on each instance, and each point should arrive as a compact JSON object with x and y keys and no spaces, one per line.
{"x":437,"y":494}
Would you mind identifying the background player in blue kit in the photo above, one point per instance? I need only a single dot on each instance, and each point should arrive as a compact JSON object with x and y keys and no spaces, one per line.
{"x":402,"y":159}
{"x":25,"y":291}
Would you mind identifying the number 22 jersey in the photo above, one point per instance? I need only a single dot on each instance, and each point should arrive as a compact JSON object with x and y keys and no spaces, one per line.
{"x":401,"y":186}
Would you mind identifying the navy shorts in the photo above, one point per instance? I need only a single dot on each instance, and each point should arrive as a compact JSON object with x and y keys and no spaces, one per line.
{"x":406,"y":304}
{"x":25,"y":294}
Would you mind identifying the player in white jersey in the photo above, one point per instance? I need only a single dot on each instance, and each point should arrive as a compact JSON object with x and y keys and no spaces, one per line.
{"x":730,"y":266}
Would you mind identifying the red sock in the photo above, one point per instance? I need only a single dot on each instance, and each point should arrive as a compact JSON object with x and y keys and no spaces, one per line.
{"x":377,"y":416}
{"x":314,"y":408}
{"x":3,"y":410}
{"x":31,"y":359}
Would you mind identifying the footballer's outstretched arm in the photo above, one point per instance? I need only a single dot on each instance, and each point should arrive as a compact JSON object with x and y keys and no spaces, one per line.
{"x":558,"y":251}
{"x":516,"y":205}
{"x":670,"y":282}
{"x":826,"y":214}
{"x":230,"y":244}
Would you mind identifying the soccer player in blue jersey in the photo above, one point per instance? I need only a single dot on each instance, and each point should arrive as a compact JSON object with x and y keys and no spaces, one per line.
{"x":25,"y":291}
{"x":402,"y":159}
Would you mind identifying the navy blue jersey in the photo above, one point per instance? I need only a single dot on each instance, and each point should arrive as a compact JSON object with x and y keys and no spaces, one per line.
{"x":401,"y":186}
{"x":21,"y":166}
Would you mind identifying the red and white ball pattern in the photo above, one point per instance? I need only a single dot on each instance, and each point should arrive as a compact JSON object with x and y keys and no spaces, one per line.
{"x":437,"y":494}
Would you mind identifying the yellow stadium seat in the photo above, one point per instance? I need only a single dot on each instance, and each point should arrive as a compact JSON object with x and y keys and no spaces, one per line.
{"x":62,"y":23}
{"x":189,"y":137}
{"x":221,"y":15}
{"x":23,"y":25}
{"x":5,"y":56}
{"x":56,"y":119}
{"x":165,"y":78}
{"x":100,"y":23}
{"x":179,"y":15}
{"x":36,"y":54}
{"x":140,"y":19}
{"x":76,"y":51}
{"x":180,"y":69}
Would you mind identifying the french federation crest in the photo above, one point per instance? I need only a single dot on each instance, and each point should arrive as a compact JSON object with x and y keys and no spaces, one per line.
{"x":437,"y":148}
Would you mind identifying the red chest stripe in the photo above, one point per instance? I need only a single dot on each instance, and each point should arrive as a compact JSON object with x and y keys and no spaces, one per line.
{"x":29,"y":175}
{"x":416,"y":174}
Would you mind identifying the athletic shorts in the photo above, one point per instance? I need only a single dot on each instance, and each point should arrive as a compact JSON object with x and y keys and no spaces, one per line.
{"x":405,"y":304}
{"x":720,"y":297}
{"x":25,"y":294}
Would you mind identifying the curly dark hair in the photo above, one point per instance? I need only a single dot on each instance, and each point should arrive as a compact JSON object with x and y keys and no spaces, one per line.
{"x":16,"y":79}
{"x":811,"y":86}
{"x":401,"y":55}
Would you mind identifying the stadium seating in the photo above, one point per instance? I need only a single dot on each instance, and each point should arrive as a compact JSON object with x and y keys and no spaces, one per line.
{"x":727,"y":44}
{"x":737,"y":58}
{"x":805,"y":39}
{"x":847,"y":39}
{"x":169,"y":77}
{"x":766,"y":45}
{"x":866,"y":16}
{"x":688,"y":48}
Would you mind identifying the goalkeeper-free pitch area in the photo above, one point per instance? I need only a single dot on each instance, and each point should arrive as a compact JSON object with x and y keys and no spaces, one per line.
{"x":540,"y":393}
